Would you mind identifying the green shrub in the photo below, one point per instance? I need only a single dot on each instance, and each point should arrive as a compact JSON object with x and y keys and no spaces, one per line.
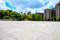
{"x":6,"y":17}
{"x":37,"y":17}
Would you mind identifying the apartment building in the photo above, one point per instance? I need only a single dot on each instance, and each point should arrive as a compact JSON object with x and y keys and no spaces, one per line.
{"x":55,"y":12}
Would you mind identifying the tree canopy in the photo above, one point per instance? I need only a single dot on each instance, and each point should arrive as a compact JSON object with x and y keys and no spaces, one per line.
{"x":9,"y":14}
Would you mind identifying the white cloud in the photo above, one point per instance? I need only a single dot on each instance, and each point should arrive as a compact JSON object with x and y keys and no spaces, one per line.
{"x":2,"y":5}
{"x":22,"y":6}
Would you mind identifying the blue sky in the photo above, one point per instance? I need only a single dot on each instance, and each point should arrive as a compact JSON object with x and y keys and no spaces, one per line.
{"x":27,"y":5}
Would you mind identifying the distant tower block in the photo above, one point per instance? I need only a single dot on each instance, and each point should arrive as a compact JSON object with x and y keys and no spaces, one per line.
{"x":57,"y":8}
{"x":47,"y":14}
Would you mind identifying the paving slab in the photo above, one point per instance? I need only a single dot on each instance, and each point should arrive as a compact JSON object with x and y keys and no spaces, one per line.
{"x":30,"y":30}
{"x":5,"y":36}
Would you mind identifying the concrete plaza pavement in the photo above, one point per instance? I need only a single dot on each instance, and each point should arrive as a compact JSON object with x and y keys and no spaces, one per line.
{"x":29,"y":30}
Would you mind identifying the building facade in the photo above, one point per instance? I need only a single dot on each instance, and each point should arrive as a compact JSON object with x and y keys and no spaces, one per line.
{"x":57,"y":8}
{"x":47,"y":13}
{"x":55,"y":12}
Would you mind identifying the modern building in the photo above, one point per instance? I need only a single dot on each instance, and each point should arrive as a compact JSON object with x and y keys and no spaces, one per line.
{"x":47,"y":13}
{"x":57,"y":8}
{"x":55,"y":12}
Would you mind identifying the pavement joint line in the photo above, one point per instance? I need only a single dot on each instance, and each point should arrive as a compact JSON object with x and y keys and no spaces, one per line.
{"x":37,"y":31}
{"x":53,"y":33}
{"x":9,"y":35}
{"x":38,"y":37}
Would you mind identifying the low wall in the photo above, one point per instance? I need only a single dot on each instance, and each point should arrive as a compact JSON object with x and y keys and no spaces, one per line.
{"x":7,"y":20}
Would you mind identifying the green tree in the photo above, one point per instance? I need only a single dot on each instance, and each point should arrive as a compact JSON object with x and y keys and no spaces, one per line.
{"x":37,"y":17}
{"x":29,"y":16}
{"x":25,"y":16}
{"x":2,"y":14}
{"x":6,"y":17}
{"x":52,"y":19}
{"x":58,"y":18}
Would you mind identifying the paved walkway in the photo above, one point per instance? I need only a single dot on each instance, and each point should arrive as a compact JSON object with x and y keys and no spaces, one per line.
{"x":29,"y":30}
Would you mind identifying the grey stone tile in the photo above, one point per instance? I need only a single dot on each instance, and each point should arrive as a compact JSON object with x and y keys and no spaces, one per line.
{"x":27,"y":30}
{"x":4,"y":36}
{"x":56,"y":35}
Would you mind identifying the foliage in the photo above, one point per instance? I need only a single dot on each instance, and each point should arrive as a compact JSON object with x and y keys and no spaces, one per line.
{"x":58,"y":18}
{"x":54,"y":19}
{"x":24,"y":16}
{"x":9,"y":14}
{"x":29,"y":16}
{"x":36,"y":17}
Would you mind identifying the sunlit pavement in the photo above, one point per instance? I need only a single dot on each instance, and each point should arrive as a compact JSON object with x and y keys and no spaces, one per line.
{"x":29,"y":30}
